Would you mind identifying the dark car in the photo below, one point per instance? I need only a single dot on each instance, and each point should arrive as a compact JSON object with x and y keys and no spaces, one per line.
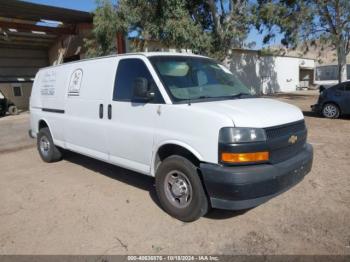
{"x":333,"y":101}
{"x":7,"y":106}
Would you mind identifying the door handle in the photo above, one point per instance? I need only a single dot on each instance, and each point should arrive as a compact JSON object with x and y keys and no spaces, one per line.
{"x":100,"y":112}
{"x":109,"y":111}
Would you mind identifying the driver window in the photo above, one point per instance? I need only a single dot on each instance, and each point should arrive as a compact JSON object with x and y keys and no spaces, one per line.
{"x":128,"y":70}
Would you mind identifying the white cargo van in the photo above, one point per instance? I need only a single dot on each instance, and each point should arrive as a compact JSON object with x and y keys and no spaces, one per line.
{"x":184,"y":119}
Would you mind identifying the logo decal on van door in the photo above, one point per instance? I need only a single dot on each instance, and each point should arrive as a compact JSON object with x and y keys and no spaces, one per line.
{"x":75,"y":83}
{"x":48,"y":83}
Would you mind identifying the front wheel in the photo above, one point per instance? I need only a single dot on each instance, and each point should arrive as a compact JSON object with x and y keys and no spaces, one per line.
{"x":330,"y":110}
{"x":180,"y":189}
{"x":47,"y":149}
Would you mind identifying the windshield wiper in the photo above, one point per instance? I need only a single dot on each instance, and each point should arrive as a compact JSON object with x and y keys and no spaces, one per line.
{"x":239,"y":95}
{"x":204,"y":97}
{"x":199,"y":97}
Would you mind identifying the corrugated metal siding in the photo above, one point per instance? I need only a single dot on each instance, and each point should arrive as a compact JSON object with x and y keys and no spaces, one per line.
{"x":21,"y":63}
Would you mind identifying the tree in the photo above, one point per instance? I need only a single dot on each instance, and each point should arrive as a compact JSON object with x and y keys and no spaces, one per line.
{"x":102,"y":40}
{"x":308,"y":22}
{"x":230,"y":24}
{"x":166,"y":21}
{"x":211,"y":27}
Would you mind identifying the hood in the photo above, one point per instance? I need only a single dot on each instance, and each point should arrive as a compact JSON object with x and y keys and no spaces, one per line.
{"x":254,"y":112}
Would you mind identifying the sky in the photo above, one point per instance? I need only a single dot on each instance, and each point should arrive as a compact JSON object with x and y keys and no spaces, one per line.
{"x":89,"y":6}
{"x":83,"y":5}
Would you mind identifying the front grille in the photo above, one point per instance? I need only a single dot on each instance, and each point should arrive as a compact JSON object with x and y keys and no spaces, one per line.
{"x":281,"y":154}
{"x":278,"y":140}
{"x":284,"y":130}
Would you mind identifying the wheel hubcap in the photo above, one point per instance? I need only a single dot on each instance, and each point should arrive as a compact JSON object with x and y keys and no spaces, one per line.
{"x":44,"y":145}
{"x":178,"y":189}
{"x":330,"y":111}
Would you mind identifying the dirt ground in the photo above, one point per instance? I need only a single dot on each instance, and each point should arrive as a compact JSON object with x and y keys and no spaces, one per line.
{"x":84,"y":206}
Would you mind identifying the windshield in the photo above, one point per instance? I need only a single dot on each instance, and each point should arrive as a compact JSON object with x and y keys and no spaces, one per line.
{"x":193,"y":78}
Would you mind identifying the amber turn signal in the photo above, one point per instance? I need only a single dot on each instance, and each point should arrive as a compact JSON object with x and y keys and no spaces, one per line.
{"x":244,"y":157}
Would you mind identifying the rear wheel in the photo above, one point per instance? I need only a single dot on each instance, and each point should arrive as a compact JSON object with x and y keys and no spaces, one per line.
{"x":47,"y":149}
{"x":180,"y":189}
{"x":330,"y":110}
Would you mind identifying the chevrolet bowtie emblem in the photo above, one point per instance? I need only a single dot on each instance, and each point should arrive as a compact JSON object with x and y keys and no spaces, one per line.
{"x":292,"y":139}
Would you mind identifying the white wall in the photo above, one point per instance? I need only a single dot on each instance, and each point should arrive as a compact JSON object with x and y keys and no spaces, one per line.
{"x":307,"y":63}
{"x":245,"y":65}
{"x":268,"y":74}
{"x":287,"y":73}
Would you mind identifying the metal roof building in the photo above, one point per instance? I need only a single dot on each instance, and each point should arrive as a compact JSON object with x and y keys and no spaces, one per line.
{"x":28,"y":34}
{"x":34,"y":36}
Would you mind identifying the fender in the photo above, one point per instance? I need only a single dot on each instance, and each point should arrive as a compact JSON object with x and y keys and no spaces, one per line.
{"x":56,"y":142}
{"x":174,"y":142}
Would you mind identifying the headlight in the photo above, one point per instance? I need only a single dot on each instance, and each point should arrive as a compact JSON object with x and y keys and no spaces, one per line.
{"x":230,"y":135}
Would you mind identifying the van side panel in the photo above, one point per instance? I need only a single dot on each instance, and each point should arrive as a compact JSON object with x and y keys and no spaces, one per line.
{"x":47,"y":101}
{"x":84,"y":130}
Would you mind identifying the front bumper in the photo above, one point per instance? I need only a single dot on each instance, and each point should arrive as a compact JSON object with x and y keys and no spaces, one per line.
{"x":316,"y":108}
{"x":244,"y":187}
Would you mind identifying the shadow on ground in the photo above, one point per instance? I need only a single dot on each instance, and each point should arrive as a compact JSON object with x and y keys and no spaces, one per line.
{"x":219,"y":214}
{"x":315,"y":115}
{"x":312,"y":114}
{"x":136,"y":180}
{"x":120,"y":174}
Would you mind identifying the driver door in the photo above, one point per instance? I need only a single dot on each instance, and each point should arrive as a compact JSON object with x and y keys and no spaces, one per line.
{"x":131,"y":123}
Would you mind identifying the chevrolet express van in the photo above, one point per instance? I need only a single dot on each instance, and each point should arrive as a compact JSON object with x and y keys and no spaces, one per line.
{"x":184,"y":119}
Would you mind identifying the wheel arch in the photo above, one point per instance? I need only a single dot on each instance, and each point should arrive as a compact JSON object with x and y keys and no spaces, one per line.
{"x":10,"y":103}
{"x":42,"y":123}
{"x":169,"y":148}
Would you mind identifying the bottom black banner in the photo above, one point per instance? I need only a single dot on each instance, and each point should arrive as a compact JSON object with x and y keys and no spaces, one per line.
{"x":175,"y":258}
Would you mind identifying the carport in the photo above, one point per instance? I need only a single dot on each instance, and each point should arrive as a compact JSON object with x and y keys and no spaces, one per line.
{"x":34,"y":36}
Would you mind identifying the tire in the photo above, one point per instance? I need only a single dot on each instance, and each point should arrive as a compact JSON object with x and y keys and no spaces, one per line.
{"x":47,"y":149}
{"x":331,"y":110}
{"x":13,"y":110}
{"x":180,"y":190}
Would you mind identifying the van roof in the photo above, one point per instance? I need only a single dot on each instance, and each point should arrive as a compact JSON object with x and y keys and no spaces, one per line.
{"x":146,"y":54}
{"x":149,"y":54}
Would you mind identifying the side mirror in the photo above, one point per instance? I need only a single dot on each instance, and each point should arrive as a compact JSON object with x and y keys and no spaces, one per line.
{"x":142,"y":89}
